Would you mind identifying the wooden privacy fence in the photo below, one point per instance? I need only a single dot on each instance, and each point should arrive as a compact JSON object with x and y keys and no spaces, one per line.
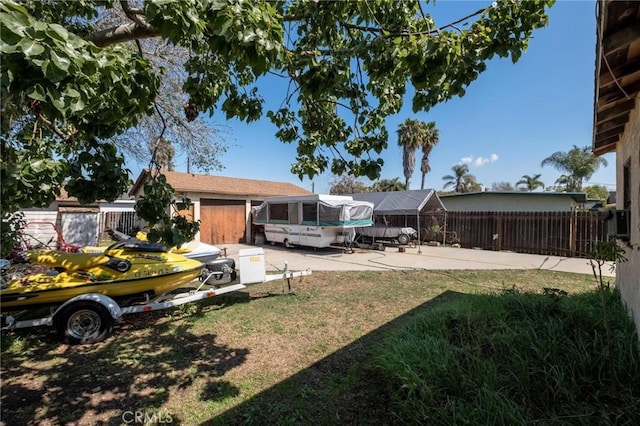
{"x":552,"y":233}
{"x":124,"y":221}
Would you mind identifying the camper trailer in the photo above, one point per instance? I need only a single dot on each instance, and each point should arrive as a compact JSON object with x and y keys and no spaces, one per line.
{"x":314,"y":220}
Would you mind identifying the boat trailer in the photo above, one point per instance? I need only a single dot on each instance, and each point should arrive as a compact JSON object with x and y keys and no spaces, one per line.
{"x":89,"y":318}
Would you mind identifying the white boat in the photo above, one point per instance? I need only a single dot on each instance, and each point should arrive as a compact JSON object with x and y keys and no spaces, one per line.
{"x":315,"y":220}
{"x":197,"y":250}
{"x":403,"y":235}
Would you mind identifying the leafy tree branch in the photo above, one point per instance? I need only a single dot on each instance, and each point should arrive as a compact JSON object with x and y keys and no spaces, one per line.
{"x":71,"y":67}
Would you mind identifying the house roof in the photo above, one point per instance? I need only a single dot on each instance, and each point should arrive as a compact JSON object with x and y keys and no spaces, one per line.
{"x":617,"y":77}
{"x":402,"y":202}
{"x":188,"y":182}
{"x":578,"y":197}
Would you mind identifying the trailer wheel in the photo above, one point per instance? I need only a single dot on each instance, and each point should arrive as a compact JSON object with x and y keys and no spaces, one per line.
{"x":83,"y":322}
{"x":404,"y":239}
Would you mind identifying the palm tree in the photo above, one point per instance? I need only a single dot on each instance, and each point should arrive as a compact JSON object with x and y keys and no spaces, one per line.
{"x":431,"y":138}
{"x":411,"y":133}
{"x":579,"y":164}
{"x":461,"y":180}
{"x":564,"y":183}
{"x":531,"y":183}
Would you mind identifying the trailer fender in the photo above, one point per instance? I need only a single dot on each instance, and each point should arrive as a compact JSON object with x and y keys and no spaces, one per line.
{"x":106,"y":301}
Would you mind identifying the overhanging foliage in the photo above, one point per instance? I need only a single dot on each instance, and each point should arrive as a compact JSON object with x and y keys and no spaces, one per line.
{"x":67,"y":85}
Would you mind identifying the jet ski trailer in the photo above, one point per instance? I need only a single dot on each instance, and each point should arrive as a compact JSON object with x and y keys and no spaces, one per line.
{"x":90,"y":317}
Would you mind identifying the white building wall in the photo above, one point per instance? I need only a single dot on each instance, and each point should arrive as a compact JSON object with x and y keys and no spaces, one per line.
{"x":628,"y":273}
{"x":49,"y":214}
{"x":40,"y":233}
{"x":79,"y":228}
{"x":117,"y":206}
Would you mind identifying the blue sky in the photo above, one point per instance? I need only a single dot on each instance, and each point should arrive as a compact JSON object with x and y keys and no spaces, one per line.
{"x":511,"y":118}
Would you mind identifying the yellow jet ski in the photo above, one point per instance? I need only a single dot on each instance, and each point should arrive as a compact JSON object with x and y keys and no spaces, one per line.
{"x":222,"y":270}
{"x":125,"y":270}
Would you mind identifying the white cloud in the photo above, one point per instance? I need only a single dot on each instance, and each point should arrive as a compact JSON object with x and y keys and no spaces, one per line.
{"x":479,"y":161}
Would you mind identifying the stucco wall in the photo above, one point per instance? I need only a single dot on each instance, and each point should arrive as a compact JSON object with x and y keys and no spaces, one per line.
{"x":628,"y":273}
{"x":528,"y":202}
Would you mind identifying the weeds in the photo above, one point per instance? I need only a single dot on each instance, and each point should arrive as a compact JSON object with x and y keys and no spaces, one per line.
{"x":603,"y":252}
{"x":514,"y":358}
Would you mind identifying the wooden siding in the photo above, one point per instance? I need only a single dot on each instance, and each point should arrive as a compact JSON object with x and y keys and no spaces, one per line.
{"x":222,"y":221}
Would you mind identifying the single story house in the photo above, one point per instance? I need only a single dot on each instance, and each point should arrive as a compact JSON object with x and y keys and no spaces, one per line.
{"x":616,"y":128}
{"x":515,"y":201}
{"x":222,"y":204}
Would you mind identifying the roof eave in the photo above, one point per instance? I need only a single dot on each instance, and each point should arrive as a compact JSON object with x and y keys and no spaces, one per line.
{"x":617,"y":71}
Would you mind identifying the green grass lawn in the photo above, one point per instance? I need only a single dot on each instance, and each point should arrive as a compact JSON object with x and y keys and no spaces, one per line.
{"x":347,"y":347}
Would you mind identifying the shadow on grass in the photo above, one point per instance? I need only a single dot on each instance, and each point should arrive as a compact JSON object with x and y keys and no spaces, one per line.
{"x":199,"y":310}
{"x":342,"y":388}
{"x":134,"y":371}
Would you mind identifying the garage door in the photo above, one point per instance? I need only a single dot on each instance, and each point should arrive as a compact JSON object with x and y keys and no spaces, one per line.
{"x":222,"y":221}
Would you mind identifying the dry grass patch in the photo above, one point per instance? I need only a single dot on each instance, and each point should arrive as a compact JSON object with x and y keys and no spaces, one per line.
{"x":222,"y":359}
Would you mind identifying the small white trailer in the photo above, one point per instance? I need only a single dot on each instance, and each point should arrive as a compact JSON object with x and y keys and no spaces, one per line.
{"x":90,"y":317}
{"x":315,"y":220}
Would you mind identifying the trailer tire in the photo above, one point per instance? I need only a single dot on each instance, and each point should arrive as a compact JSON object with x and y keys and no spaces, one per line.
{"x":404,"y":239}
{"x":83,"y":322}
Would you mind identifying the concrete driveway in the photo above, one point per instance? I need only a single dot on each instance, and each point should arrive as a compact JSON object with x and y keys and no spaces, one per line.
{"x":424,"y":257}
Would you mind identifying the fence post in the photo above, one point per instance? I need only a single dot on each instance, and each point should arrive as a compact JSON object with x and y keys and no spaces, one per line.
{"x":444,"y":233}
{"x":499,"y":230}
{"x":573,"y":233}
